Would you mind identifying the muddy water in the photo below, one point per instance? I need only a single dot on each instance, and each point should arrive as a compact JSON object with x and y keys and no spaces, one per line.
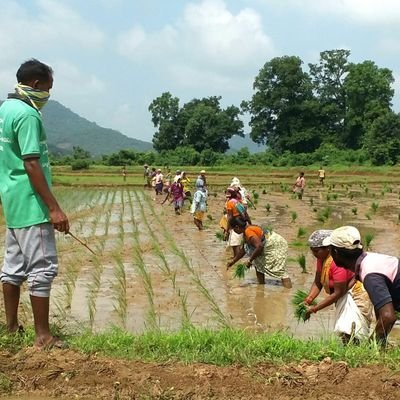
{"x":158,"y":287}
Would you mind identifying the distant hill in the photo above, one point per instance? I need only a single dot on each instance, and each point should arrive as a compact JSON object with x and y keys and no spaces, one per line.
{"x":66,"y":129}
{"x":237,"y":143}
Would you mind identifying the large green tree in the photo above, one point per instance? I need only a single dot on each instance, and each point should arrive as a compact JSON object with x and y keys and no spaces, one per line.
{"x":328,"y":78}
{"x":368,"y":95}
{"x":283,"y":109}
{"x":164,"y":110}
{"x":382,"y":141}
{"x":200,"y":124}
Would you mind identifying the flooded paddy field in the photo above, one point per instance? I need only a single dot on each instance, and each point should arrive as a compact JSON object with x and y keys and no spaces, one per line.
{"x":154,"y":269}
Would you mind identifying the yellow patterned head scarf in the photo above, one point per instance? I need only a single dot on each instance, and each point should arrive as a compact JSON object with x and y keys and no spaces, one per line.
{"x":38,"y":98}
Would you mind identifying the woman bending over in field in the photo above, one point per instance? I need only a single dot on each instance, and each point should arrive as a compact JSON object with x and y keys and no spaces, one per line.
{"x":266,"y":250}
{"x":354,"y":311}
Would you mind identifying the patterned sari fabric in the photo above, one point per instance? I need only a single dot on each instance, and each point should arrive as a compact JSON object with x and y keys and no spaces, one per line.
{"x":272,"y":260}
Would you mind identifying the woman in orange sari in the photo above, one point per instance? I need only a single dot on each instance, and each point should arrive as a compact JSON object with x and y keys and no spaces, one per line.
{"x":353,"y":308}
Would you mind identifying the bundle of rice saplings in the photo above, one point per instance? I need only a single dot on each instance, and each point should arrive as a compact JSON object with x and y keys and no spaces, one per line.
{"x":300,"y":308}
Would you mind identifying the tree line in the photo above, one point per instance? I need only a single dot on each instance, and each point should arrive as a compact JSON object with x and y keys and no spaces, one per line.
{"x":335,"y":112}
{"x":335,"y":105}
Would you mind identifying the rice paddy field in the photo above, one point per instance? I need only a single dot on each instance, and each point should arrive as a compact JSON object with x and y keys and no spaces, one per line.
{"x":153,"y":271}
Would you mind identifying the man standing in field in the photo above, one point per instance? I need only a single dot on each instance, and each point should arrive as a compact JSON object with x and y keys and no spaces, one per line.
{"x":30,"y":209}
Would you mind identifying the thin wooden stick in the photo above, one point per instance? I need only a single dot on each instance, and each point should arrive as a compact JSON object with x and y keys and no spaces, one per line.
{"x":81,"y":242}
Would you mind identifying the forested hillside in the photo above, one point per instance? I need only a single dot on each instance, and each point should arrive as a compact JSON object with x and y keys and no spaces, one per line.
{"x":66,"y":129}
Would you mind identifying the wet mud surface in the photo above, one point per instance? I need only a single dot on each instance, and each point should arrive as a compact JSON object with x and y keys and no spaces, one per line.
{"x":154,"y":267}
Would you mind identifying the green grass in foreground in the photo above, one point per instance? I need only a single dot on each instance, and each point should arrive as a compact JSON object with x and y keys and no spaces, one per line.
{"x":222,"y":347}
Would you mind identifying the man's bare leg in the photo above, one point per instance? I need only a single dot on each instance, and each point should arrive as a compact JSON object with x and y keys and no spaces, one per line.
{"x":11,"y":294}
{"x":40,"y":308}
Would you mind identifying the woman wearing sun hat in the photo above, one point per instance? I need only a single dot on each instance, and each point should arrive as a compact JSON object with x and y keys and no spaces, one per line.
{"x":351,"y":300}
{"x":380,"y":274}
{"x":244,"y":194}
{"x":201,"y":180}
{"x":233,"y":208}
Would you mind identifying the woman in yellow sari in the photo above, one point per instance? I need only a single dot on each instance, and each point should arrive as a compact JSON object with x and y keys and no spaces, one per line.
{"x":354,"y":311}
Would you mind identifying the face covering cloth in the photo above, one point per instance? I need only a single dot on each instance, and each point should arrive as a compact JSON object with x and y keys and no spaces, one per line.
{"x":38,"y":98}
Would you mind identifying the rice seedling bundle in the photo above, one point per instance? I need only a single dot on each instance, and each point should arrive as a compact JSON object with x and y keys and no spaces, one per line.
{"x":219,"y":235}
{"x":240,"y":271}
{"x":300,"y":308}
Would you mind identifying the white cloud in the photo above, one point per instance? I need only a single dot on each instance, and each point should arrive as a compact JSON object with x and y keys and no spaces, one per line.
{"x":136,"y":44}
{"x":389,"y":45}
{"x":208,"y":35}
{"x":73,"y":83}
{"x":50,"y":25}
{"x":223,"y":38}
{"x":373,"y":12}
{"x":46,"y":30}
{"x":57,"y":22}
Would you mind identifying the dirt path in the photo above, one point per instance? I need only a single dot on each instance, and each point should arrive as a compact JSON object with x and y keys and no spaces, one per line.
{"x":70,"y":375}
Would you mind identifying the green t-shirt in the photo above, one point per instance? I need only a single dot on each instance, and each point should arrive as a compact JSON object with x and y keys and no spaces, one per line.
{"x":21,"y":135}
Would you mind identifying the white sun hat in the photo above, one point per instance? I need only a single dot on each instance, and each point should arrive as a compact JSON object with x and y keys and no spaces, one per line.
{"x":345,"y":237}
{"x":235,"y":181}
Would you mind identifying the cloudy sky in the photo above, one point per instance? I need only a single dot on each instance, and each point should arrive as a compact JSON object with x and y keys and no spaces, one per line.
{"x":113,"y":57}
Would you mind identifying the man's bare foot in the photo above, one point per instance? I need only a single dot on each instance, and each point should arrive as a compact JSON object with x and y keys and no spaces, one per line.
{"x":50,"y":343}
{"x":16,"y":329}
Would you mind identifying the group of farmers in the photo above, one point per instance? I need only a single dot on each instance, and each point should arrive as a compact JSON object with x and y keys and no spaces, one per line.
{"x":32,"y":215}
{"x":179,"y":189}
{"x":364,"y":286}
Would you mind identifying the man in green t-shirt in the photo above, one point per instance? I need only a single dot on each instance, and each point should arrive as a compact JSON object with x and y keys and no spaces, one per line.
{"x":30,"y":209}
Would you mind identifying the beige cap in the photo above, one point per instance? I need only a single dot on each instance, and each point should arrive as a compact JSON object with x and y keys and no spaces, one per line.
{"x":345,"y":237}
{"x":202,"y":171}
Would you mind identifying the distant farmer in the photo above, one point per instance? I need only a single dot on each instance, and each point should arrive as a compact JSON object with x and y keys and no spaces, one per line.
{"x":167,"y":180}
{"x":176,"y":191}
{"x":158,"y":180}
{"x":30,"y":208}
{"x":124,"y":173}
{"x":379,"y":273}
{"x":321,"y":176}
{"x":298,"y":187}
{"x":199,"y":207}
{"x":201,"y":180}
{"x":234,"y":208}
{"x":244,"y":194}
{"x":147,"y":175}
{"x":186,"y":186}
